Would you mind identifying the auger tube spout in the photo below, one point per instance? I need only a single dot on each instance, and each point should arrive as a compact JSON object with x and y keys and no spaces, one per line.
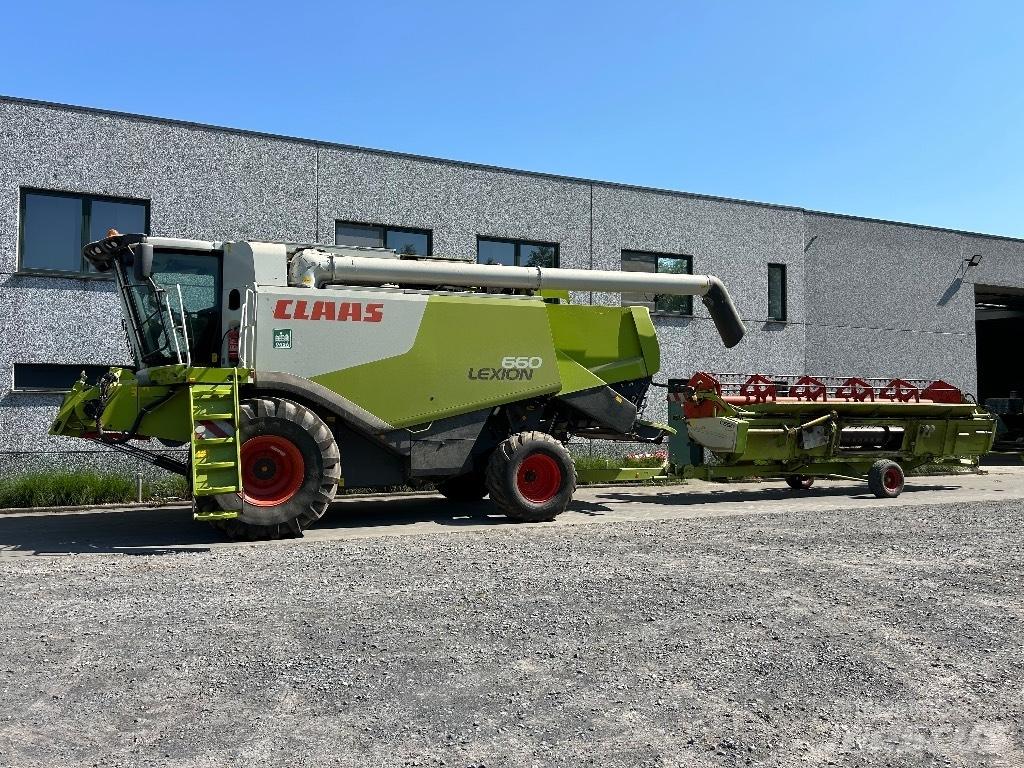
{"x":312,"y":268}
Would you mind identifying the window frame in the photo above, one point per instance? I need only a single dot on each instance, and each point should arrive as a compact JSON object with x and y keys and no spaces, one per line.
{"x":86,"y":199}
{"x":656,"y":256}
{"x":385,"y":228}
{"x":75,"y":367}
{"x":783,"y":299}
{"x":518,"y":243}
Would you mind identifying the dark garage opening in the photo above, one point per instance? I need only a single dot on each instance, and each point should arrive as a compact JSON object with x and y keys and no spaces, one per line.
{"x":999,"y":316}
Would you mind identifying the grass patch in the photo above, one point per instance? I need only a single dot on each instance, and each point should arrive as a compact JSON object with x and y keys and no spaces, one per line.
{"x":60,"y":489}
{"x":650,"y":459}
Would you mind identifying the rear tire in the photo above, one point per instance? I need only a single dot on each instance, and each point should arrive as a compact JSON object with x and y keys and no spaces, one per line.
{"x":886,"y":479}
{"x":531,"y":477}
{"x":471,"y":487}
{"x":799,"y":482}
{"x":291,"y":468}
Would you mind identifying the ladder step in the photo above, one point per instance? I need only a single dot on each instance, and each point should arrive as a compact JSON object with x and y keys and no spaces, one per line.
{"x":215,"y":447}
{"x":213,"y":490}
{"x":221,"y":514}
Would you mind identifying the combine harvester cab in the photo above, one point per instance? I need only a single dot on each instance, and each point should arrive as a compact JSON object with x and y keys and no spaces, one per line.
{"x":801,"y":427}
{"x":288,"y":371}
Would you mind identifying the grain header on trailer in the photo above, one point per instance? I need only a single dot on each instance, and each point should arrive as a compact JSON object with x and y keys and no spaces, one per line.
{"x":797,"y":428}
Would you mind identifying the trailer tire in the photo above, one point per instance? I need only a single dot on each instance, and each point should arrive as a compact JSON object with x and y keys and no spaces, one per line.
{"x":531,"y":477}
{"x":799,"y":482}
{"x":290,"y":471}
{"x":470,"y":487}
{"x":886,"y":479}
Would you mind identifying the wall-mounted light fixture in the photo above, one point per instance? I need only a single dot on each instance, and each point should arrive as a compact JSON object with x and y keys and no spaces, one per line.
{"x":966,"y":264}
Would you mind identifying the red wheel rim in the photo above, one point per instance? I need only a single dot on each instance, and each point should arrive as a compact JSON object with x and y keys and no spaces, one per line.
{"x":539,"y":478}
{"x":272,"y":470}
{"x":892,"y":478}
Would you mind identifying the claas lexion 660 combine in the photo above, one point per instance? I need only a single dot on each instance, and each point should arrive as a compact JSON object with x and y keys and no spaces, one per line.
{"x":292,"y":370}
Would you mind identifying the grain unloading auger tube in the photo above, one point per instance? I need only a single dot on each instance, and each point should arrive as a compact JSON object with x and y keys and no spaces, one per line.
{"x":802,"y":427}
{"x":314,"y":269}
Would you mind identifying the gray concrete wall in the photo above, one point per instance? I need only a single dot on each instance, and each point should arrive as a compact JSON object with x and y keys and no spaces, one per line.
{"x":456,"y":202}
{"x":864,"y":297}
{"x":887,"y":299}
{"x":202,"y":183}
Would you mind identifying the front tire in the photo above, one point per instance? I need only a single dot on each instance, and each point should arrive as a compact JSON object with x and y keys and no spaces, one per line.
{"x":531,"y":477}
{"x":799,"y":482}
{"x":290,"y":469}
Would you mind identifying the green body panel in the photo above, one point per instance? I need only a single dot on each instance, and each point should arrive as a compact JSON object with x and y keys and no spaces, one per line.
{"x":167,"y":407}
{"x":71,"y":421}
{"x":574,"y":376}
{"x":455,"y":364}
{"x":648,"y":338}
{"x":612,"y":343}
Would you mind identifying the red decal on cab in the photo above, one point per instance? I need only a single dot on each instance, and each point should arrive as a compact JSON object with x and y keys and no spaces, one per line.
{"x":281,"y":309}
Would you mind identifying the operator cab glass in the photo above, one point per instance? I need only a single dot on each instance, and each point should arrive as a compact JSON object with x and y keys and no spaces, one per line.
{"x":176,"y":313}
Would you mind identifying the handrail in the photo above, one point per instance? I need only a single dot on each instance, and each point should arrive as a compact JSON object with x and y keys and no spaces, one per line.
{"x":245,"y":331}
{"x":174,"y":331}
{"x":184,"y":327}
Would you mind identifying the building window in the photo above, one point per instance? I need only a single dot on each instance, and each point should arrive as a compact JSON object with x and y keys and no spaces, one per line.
{"x":665,"y":263}
{"x":516,"y":253}
{"x":408,"y":242}
{"x":48,"y":377}
{"x":777,"y":292}
{"x":56,"y":225}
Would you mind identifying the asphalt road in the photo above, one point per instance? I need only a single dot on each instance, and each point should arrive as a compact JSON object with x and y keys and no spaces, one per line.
{"x":742,"y":625}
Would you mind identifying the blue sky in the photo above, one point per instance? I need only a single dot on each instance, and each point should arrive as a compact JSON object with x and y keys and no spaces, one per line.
{"x":910,"y":110}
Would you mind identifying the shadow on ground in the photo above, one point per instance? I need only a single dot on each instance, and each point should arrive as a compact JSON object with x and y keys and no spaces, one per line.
{"x":131,"y":531}
{"x":172,"y":530}
{"x":727,"y":494}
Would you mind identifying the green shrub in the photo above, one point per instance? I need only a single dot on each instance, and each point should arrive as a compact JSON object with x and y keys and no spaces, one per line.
{"x":584,"y":463}
{"x":58,"y":489}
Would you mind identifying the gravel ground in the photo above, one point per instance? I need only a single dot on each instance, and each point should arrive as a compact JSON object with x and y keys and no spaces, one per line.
{"x":892,"y":636}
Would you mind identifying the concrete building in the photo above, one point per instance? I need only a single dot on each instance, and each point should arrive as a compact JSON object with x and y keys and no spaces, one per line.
{"x":820,"y":293}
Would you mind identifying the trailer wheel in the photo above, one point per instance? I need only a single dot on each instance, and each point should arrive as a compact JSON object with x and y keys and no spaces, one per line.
{"x":471,"y":487}
{"x":886,"y":479}
{"x":799,"y":482}
{"x":291,"y":467}
{"x":531,"y":477}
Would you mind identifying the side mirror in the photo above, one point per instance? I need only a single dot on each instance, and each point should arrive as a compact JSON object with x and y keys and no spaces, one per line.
{"x":143,"y":263}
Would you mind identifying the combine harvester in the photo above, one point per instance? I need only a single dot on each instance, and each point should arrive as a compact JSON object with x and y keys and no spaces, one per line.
{"x":289,"y":371}
{"x":292,"y":370}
